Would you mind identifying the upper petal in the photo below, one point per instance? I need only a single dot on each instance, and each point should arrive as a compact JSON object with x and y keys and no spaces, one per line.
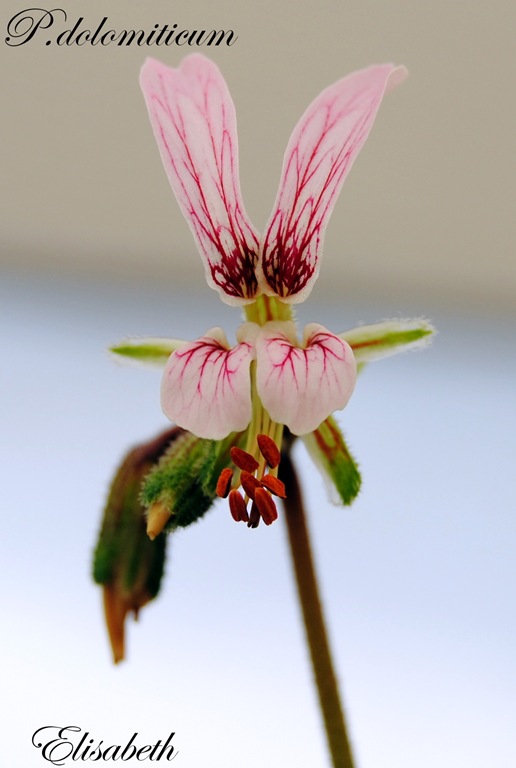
{"x":301,"y":386}
{"x":319,"y":155}
{"x":194,"y":122}
{"x":206,"y":386}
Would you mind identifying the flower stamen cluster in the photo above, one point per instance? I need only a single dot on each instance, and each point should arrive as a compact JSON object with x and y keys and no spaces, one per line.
{"x":258,"y":479}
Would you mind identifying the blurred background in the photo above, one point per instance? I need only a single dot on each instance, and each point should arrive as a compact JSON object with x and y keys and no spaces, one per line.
{"x":418,"y":576}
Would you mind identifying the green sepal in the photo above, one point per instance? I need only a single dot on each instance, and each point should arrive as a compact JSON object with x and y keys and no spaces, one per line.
{"x":149,"y":351}
{"x":185,"y":478}
{"x":330,"y":453}
{"x":373,"y":342}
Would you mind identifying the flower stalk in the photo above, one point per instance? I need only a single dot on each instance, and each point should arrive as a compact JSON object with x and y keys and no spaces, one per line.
{"x":315,"y":628}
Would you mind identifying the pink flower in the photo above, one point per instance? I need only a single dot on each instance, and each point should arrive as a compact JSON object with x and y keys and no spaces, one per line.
{"x":207,"y":385}
{"x":272,"y":377}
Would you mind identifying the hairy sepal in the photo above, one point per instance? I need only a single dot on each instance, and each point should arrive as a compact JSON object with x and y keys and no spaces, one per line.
{"x":374,"y":342}
{"x":146,"y":351}
{"x":328,"y":449}
{"x":185,"y":479}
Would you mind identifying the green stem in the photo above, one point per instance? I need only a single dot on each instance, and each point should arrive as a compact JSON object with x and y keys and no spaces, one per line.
{"x":316,"y":634}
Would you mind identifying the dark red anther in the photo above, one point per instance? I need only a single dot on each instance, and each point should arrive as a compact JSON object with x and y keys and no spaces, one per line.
{"x":254,"y":517}
{"x":269,"y":450}
{"x":274,"y":485}
{"x":249,"y":483}
{"x":237,"y":507}
{"x":224,"y":483}
{"x":266,"y":506}
{"x":243,"y":460}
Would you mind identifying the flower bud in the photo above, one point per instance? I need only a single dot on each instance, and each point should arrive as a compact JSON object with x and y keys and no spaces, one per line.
{"x":127,"y":564}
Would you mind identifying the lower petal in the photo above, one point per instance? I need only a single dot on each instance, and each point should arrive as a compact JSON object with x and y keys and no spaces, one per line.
{"x":206,"y":386}
{"x":302,"y":386}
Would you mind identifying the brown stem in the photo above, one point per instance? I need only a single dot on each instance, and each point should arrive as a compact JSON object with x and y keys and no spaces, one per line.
{"x":316,"y":634}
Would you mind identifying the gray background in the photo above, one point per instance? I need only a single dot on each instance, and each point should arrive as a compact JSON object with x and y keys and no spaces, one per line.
{"x":428,"y":208}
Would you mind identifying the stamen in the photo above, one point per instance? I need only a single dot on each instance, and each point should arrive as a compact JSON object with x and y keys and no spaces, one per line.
{"x":243,"y":460}
{"x":249,"y":483}
{"x":254,"y":518}
{"x":237,"y":507}
{"x":258,"y":465}
{"x":224,"y":483}
{"x":269,"y":450}
{"x":274,"y":485}
{"x":266,"y":506}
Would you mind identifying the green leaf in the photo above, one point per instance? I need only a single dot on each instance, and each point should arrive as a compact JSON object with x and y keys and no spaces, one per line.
{"x":331,"y":455}
{"x":149,"y":351}
{"x":373,"y":342}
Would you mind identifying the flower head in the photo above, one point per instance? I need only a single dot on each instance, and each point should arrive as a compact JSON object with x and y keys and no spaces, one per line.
{"x":272,"y":378}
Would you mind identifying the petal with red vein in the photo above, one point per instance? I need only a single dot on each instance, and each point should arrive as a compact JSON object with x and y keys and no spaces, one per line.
{"x":193,"y":118}
{"x":206,"y":386}
{"x":302,"y":386}
{"x":319,"y":155}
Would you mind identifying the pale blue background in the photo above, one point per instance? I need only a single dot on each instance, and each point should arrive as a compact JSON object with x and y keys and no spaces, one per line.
{"x":418,"y":576}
